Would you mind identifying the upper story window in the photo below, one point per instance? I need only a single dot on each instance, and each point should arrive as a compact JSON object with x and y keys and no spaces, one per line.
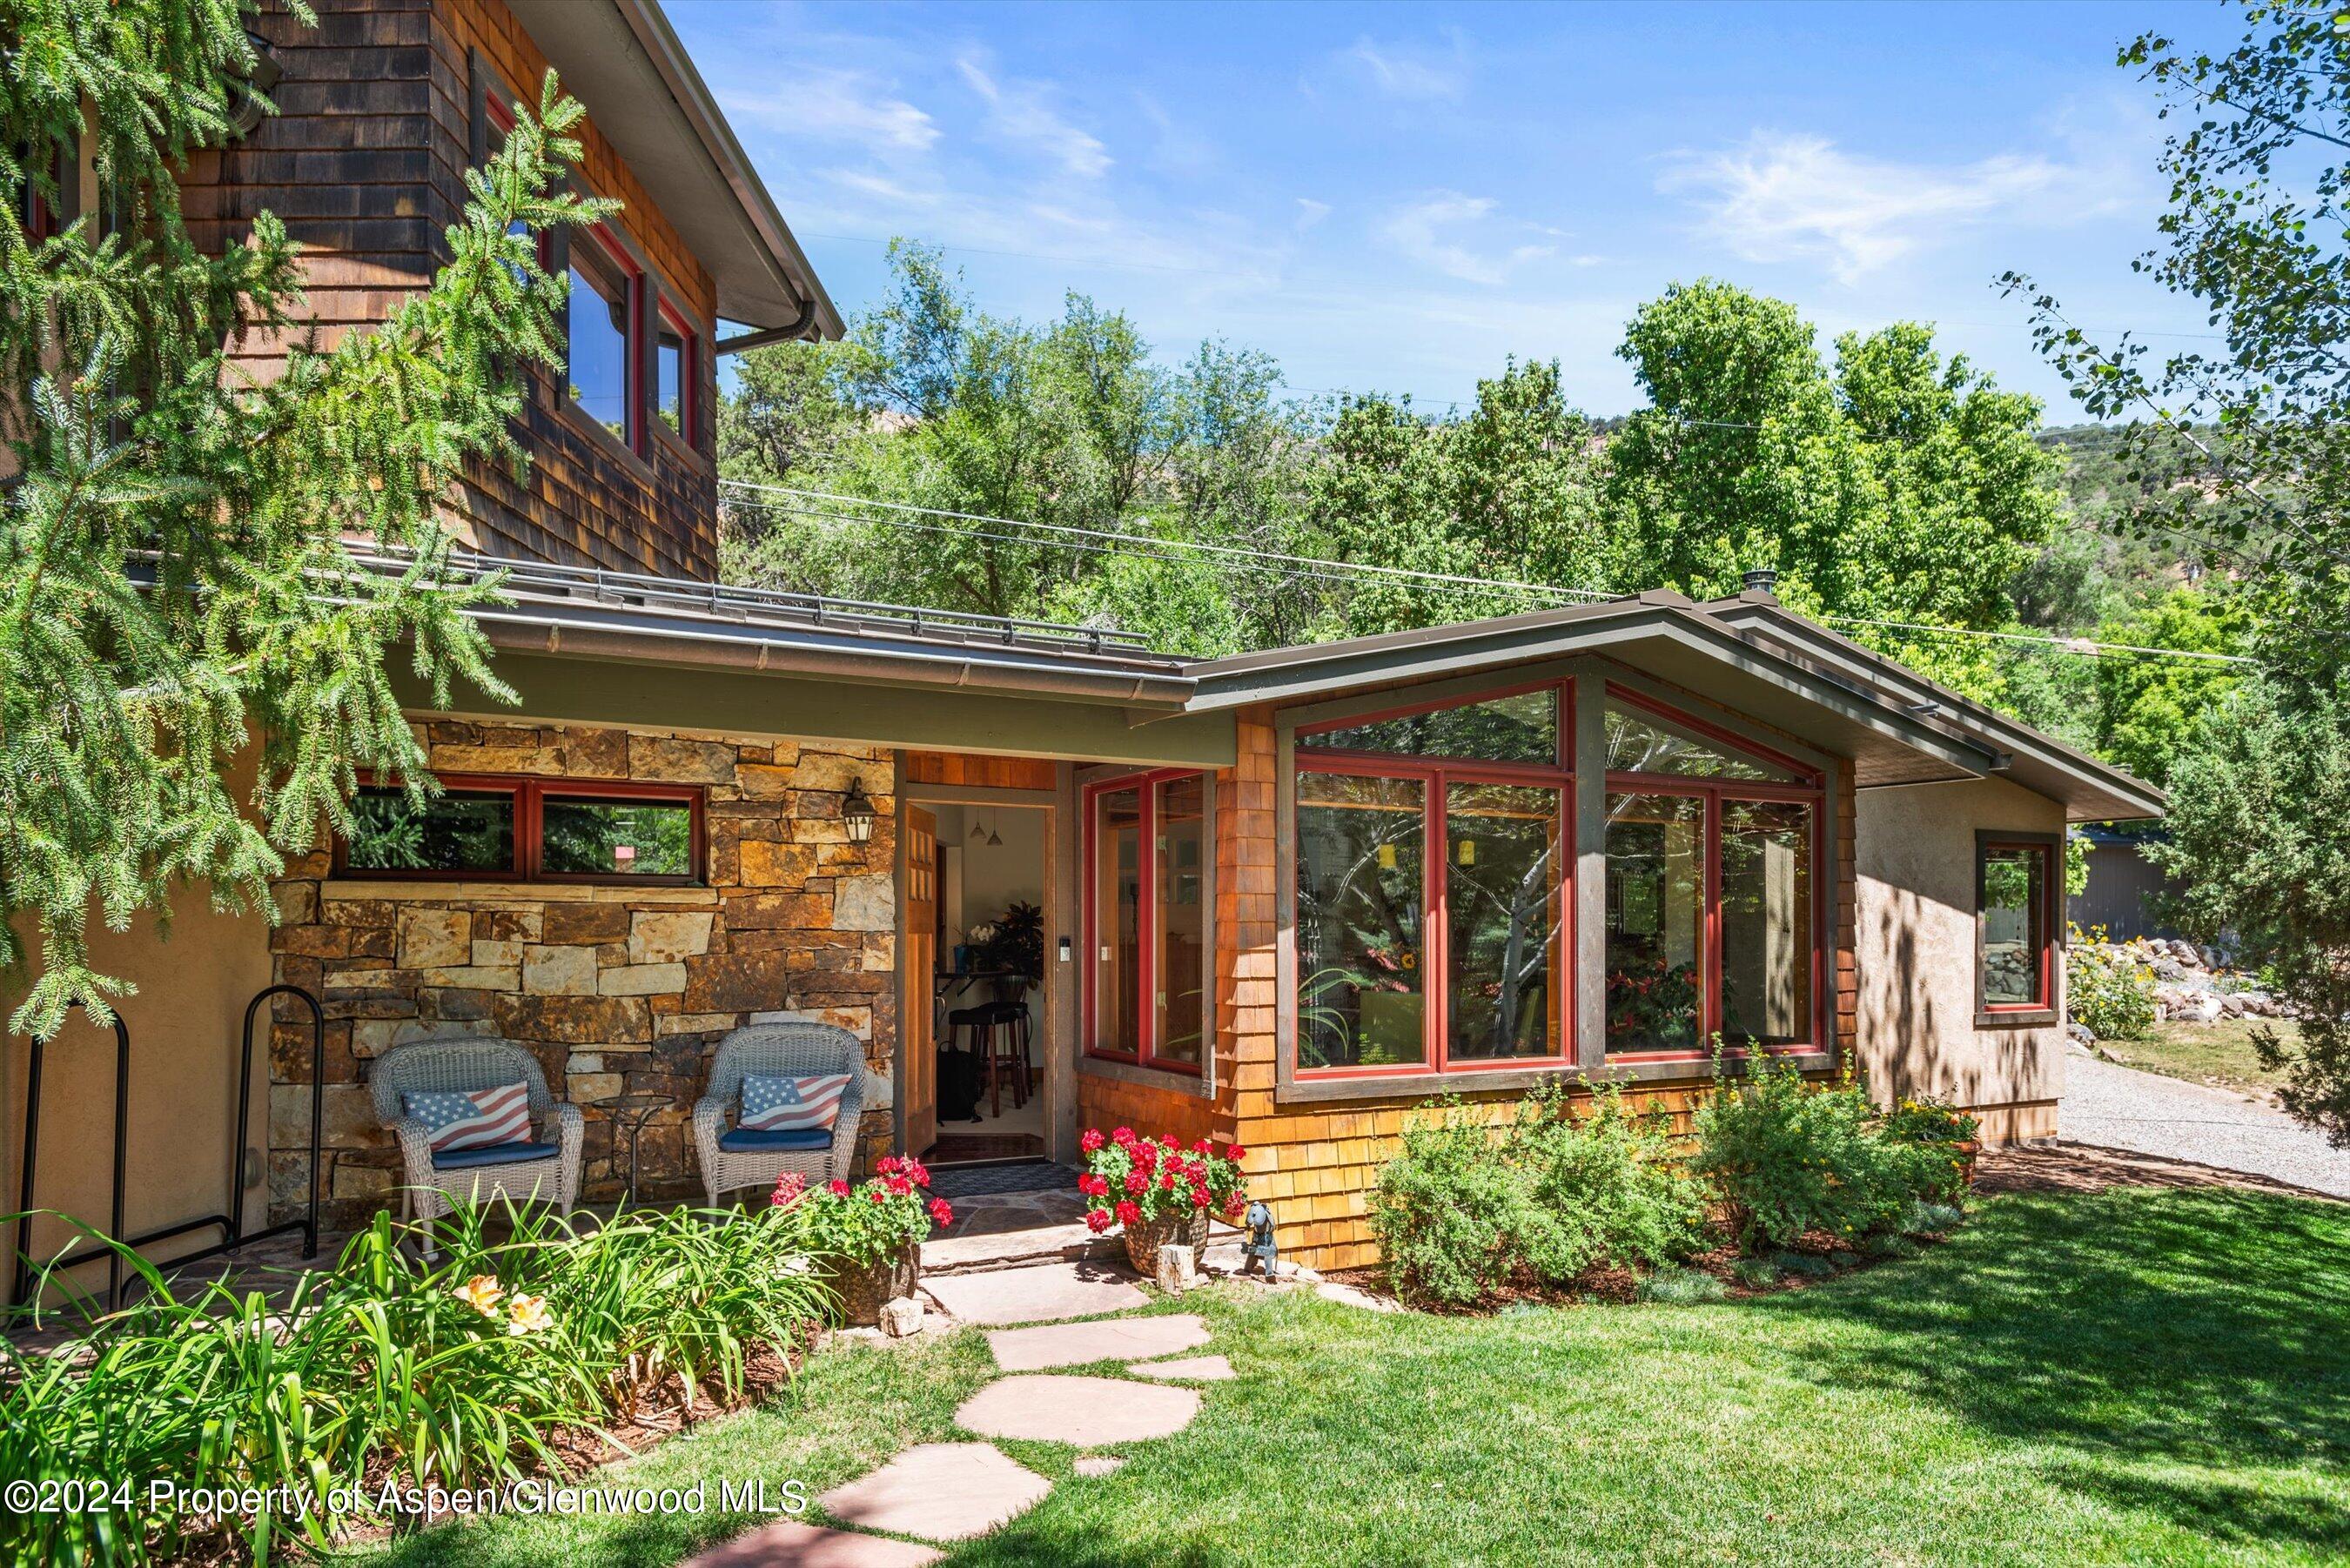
{"x":2016,"y":921}
{"x":1147,"y":853}
{"x":1713,"y":911}
{"x":494,"y":828}
{"x":600,"y":324}
{"x":1431,"y":881}
{"x":677,"y":372}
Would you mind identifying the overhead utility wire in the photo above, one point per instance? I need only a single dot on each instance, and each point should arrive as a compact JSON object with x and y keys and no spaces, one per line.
{"x":1131,"y":540}
{"x":1325,"y":570}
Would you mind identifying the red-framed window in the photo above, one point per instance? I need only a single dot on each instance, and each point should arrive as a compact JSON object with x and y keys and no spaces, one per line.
{"x":2017,"y":918}
{"x":676,"y":375}
{"x":1432,"y":857}
{"x":501,"y":828}
{"x":604,"y":336}
{"x":1715,"y":916}
{"x":1146,"y":996}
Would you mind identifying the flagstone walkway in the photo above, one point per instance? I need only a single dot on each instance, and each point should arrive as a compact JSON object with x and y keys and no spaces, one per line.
{"x":951,"y":1491}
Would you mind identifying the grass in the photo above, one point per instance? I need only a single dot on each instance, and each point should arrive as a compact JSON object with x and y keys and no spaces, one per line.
{"x":2219,"y":1054}
{"x":2139,"y":1376}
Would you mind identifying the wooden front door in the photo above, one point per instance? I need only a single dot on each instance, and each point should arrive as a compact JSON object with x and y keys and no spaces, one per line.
{"x":918,"y":961}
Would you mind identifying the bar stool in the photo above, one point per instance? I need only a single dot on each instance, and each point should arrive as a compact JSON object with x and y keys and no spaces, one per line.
{"x":995,"y":1028}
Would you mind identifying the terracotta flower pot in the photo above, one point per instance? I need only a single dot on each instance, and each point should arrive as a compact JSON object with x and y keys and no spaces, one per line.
{"x":1143,"y":1241}
{"x":864,"y":1287}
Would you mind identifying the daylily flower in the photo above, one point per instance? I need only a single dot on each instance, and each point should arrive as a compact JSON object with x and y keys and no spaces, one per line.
{"x":482,"y":1293}
{"x":528,"y":1315}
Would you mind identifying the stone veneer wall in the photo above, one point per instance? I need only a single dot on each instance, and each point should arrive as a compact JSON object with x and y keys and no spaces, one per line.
{"x":612,"y":988}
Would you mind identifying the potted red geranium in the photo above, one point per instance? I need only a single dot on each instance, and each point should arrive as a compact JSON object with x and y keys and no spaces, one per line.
{"x":1158,"y":1191}
{"x":866,"y":1240}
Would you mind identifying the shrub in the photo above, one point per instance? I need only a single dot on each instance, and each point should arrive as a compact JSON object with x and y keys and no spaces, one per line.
{"x":1129,"y":1179}
{"x":1755,"y":1273}
{"x":1788,"y":1157}
{"x":458,"y":1374}
{"x":1451,"y":1211}
{"x":2105,"y":989}
{"x":1932,"y":1219}
{"x":1607,"y":1185}
{"x":1938,"y":1130}
{"x":1681,"y":1287}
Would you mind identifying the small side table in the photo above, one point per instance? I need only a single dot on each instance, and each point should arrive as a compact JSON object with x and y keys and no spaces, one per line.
{"x":638,"y":1106}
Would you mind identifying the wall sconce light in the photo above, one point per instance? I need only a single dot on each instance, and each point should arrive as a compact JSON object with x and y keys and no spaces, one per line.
{"x":857,"y":813}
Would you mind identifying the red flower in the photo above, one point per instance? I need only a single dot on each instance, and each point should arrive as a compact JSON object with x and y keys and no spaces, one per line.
{"x":897,"y":1185}
{"x":1236,"y":1205}
{"x":1097,"y":1221}
{"x":1137,"y":1182}
{"x":885,"y":1165}
{"x":1146,"y":1155}
{"x":941,"y":1214}
{"x":1234,"y":1153}
{"x":837,"y":1187}
{"x":788,"y":1189}
{"x":876,"y":1194}
{"x":916,"y":1172}
{"x":1128,"y":1214}
{"x":1122,"y":1136}
{"x":1094,"y":1186}
{"x":1200,"y":1145}
{"x":1171,"y":1141}
{"x":1199,"y":1197}
{"x":1166,"y":1181}
{"x":1091,"y":1139}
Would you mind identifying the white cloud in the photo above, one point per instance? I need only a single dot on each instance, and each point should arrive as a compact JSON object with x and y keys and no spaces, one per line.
{"x":1786,"y":197}
{"x":1310,"y":213}
{"x":839,"y":106}
{"x":1435,"y":232}
{"x":1411,"y":71}
{"x":1018,"y":112}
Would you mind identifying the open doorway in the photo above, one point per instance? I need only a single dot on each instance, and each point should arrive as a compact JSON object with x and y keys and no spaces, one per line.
{"x":989,"y":1009}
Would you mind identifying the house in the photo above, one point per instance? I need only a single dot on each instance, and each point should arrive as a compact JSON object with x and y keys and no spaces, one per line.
{"x":1286,"y":896}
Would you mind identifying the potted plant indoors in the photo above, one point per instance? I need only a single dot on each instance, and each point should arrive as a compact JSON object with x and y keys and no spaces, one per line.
{"x":866,"y":1240}
{"x":1158,"y":1191}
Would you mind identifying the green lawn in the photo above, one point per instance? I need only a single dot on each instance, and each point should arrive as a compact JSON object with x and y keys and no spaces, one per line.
{"x":2218,"y":1052}
{"x":2136,"y":1376}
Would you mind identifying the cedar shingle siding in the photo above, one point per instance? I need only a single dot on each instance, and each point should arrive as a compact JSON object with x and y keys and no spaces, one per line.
{"x":365,"y":163}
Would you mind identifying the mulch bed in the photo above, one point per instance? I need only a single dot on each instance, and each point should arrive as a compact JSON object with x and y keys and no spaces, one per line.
{"x":2090,"y":1168}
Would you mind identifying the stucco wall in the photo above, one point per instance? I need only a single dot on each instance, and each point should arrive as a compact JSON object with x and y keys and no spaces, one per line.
{"x":1915,"y":851}
{"x":192,"y":989}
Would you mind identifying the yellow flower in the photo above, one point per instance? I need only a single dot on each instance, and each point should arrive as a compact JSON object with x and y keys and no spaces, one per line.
{"x":529,"y":1315}
{"x":482,"y":1293}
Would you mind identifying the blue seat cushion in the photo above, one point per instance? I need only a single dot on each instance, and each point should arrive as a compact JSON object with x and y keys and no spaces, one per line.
{"x":493,"y":1154}
{"x":742,"y":1140}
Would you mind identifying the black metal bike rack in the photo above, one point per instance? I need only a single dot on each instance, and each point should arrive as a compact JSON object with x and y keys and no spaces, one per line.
{"x":232,"y":1224}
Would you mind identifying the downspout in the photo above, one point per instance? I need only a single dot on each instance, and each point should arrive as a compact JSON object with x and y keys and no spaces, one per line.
{"x":791,"y":332}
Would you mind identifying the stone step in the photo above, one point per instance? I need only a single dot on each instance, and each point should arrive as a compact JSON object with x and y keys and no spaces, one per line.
{"x":1018,"y":1249}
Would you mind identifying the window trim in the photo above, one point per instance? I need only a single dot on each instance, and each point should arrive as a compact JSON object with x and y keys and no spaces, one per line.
{"x":1435,"y":775}
{"x":613,"y":253}
{"x":1145,"y":785}
{"x":687,"y":437}
{"x":2047,"y":1010}
{"x":1714,"y":792}
{"x":529,"y":793}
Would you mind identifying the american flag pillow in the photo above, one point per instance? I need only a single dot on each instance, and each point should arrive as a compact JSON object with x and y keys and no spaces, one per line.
{"x":792,"y":1104}
{"x":472,"y":1119}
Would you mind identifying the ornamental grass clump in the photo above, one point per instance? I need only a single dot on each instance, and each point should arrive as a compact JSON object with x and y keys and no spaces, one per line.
{"x":463,"y":1373}
{"x":1131,"y":1180}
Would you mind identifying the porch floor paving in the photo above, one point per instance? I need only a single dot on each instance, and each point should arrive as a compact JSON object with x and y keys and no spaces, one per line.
{"x":1044,"y":1293}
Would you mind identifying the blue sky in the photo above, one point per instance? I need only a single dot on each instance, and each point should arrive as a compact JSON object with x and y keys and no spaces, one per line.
{"x":1398,"y":197}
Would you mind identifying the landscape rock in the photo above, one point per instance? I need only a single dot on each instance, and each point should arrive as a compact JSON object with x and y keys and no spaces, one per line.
{"x":1179,"y":1268}
{"x":901,"y":1316}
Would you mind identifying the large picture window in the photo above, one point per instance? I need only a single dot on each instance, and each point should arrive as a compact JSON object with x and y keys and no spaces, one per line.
{"x":1713,"y":915}
{"x":2016,"y":922}
{"x":1146,"y":857}
{"x":1432,"y":875}
{"x":481,"y":828}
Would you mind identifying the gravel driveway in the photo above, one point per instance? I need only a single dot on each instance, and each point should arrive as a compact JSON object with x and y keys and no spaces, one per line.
{"x":2121,"y":1107}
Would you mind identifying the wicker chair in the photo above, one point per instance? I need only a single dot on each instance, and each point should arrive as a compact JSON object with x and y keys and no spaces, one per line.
{"x":781,"y":1050}
{"x":426,"y":1066}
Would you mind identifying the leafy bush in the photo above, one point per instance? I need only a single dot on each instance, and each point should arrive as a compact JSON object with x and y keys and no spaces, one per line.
{"x":1451,"y":1212}
{"x":1938,"y":1131}
{"x":1607,"y":1185}
{"x":1681,"y":1287}
{"x":1467,"y":1207}
{"x":458,"y":1374}
{"x":1788,"y":1157}
{"x":2105,"y":989}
